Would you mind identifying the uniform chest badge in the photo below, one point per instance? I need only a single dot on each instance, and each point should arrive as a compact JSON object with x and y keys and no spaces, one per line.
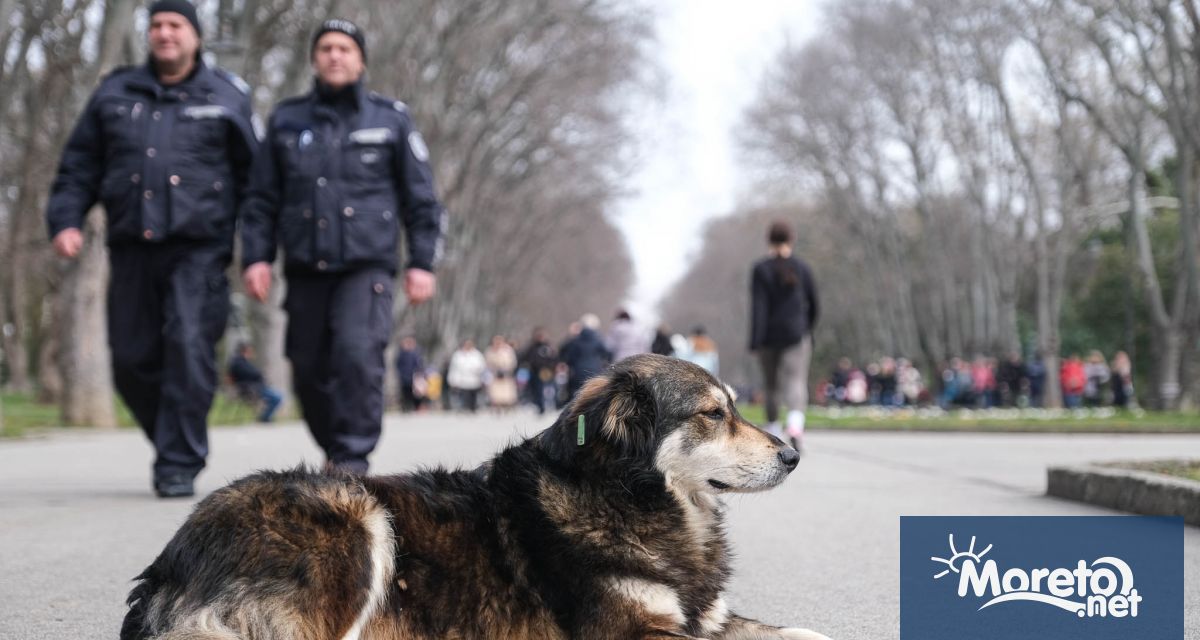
{"x":377,"y":135}
{"x":306,"y":138}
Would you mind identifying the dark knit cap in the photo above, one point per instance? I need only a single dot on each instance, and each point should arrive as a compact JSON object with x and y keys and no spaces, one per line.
{"x":341,"y":26}
{"x":182,"y":7}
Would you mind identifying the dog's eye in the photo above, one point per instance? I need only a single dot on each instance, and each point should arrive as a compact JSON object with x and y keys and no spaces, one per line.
{"x":715,"y":414}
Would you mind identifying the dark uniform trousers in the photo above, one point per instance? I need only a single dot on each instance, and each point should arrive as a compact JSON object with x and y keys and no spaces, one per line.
{"x":167,"y":308}
{"x":338,"y":327}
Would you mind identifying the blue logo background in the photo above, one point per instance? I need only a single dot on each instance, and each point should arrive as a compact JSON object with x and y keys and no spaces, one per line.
{"x":932,"y":609}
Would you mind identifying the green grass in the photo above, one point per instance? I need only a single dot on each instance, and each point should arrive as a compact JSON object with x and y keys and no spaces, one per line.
{"x":21,"y":414}
{"x":999,"y":421}
{"x":1188,"y":469}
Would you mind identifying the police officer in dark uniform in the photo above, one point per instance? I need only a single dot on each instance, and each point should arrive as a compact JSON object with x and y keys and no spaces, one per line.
{"x":341,"y":171}
{"x":167,"y":148}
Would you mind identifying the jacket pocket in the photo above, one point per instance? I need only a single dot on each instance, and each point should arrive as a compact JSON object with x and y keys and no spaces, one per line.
{"x":201,"y":208}
{"x":369,"y":236}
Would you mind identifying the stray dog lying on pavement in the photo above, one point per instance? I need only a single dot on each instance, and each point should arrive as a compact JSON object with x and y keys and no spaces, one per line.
{"x":607,"y":525}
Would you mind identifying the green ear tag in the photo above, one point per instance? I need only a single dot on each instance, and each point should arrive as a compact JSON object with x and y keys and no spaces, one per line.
{"x":579,"y":434}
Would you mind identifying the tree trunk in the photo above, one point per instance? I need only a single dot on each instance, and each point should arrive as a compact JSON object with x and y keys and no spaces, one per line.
{"x":85,"y":360}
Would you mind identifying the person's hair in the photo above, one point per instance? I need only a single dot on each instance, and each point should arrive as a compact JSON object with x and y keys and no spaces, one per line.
{"x":698,"y":330}
{"x":780,"y":232}
{"x":590,"y":321}
{"x":243,"y":347}
{"x":622,"y":315}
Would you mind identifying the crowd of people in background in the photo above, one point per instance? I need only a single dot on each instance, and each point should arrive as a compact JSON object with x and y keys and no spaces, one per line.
{"x":981,"y":383}
{"x":537,"y":372}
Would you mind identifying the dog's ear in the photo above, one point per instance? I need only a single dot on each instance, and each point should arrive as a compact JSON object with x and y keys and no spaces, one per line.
{"x":629,"y":414}
{"x":619,"y":414}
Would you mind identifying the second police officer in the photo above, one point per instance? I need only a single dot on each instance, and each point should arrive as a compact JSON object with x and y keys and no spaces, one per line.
{"x":341,"y":171}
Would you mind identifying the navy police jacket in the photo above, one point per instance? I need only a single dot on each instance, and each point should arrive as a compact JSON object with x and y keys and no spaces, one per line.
{"x":332,"y":186}
{"x":167,"y":162}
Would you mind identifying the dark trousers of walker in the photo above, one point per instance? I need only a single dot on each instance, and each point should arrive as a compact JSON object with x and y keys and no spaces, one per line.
{"x":338,"y":328}
{"x":167,"y":308}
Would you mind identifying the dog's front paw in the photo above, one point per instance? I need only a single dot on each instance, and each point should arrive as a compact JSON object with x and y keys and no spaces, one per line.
{"x":801,"y":634}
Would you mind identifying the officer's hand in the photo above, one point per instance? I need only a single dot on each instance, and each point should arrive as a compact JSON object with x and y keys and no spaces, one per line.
{"x":257,"y":279}
{"x":68,"y":242}
{"x":419,"y":285}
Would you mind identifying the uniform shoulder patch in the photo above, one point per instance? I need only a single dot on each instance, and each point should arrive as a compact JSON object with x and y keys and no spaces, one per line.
{"x":233,"y":79}
{"x":395,"y":104}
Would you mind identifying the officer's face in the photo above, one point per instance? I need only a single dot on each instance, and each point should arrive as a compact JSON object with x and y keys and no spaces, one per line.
{"x":172,"y":38}
{"x":337,"y":59}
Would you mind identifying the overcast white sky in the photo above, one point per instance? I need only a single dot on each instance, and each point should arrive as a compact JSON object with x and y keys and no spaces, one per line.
{"x":713,"y":53}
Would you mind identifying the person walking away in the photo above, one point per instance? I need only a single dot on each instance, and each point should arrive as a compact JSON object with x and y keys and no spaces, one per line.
{"x":342,"y":171}
{"x":501,"y":361}
{"x":166,"y":147}
{"x":1122,"y":381}
{"x":783,"y":314}
{"x":540,"y":359}
{"x":625,"y":338}
{"x":410,"y":371}
{"x":465,"y":376}
{"x":251,"y":384}
{"x":702,"y":351}
{"x":585,"y":355}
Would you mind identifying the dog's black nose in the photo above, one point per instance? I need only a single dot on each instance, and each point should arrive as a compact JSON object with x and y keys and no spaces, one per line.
{"x":789,"y":457}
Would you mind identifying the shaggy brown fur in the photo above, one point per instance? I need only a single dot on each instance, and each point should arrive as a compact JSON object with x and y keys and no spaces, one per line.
{"x":619,"y":537}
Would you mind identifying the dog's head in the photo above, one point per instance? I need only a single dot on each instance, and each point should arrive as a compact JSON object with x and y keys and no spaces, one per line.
{"x":673,"y":417}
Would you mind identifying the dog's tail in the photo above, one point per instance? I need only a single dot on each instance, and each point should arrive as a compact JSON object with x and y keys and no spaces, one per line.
{"x":134,"y":627}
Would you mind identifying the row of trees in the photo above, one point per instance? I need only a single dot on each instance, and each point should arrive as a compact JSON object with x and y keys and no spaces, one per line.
{"x":521,"y":102}
{"x":955,"y":164}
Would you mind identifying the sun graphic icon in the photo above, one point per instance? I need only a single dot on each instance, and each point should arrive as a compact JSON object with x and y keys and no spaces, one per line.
{"x":957,"y":557}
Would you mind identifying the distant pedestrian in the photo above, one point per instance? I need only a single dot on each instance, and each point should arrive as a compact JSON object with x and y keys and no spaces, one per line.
{"x":1010,"y":376}
{"x":251,"y":384}
{"x":840,"y":378}
{"x":625,"y":338}
{"x":1098,"y":374}
{"x":1122,"y":381}
{"x":585,"y":355}
{"x":662,"y":341}
{"x":1073,"y":378}
{"x":784,"y":312}
{"x":702,"y":351}
{"x":1035,"y":373}
{"x":465,"y":376}
{"x":501,"y":361}
{"x":410,"y":371}
{"x":540,"y":359}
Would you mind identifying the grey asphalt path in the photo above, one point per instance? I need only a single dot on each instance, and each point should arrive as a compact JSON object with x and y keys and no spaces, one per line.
{"x":77,"y":518}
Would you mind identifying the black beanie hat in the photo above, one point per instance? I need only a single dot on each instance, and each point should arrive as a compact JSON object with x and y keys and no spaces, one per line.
{"x":182,"y":7}
{"x":341,"y":26}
